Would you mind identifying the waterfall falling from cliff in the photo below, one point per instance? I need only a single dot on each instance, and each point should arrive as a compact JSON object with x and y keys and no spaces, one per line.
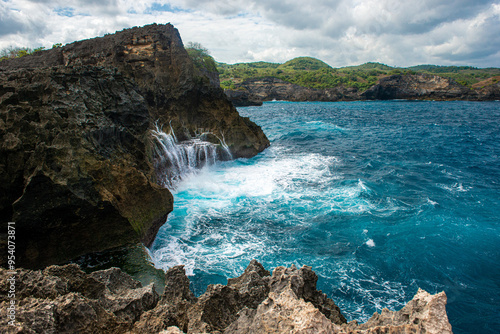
{"x":174,"y":160}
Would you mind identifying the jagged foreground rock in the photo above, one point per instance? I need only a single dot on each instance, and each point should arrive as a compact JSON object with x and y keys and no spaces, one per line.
{"x":66,"y":300}
{"x":76,"y":151}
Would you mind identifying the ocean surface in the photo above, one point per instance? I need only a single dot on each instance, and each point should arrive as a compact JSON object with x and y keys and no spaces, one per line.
{"x":380,"y":198}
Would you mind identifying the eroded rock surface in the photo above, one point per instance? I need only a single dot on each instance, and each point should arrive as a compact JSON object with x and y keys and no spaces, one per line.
{"x":425,"y":313}
{"x":254,"y":91}
{"x":407,"y":86}
{"x":420,"y":87}
{"x":66,"y":300}
{"x":76,"y":169}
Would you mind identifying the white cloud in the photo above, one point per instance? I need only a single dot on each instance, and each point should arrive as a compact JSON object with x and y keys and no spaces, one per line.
{"x":340,"y":32}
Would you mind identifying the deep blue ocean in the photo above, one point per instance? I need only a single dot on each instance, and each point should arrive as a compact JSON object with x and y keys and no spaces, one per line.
{"x":380,"y":198}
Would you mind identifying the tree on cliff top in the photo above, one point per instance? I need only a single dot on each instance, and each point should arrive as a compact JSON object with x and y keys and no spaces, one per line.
{"x":16,"y":52}
{"x":201,"y":57}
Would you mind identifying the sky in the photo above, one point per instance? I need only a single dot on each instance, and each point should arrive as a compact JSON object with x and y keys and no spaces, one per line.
{"x":339,"y":32}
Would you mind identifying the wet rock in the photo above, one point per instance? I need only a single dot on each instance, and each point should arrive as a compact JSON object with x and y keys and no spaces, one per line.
{"x":133,"y":259}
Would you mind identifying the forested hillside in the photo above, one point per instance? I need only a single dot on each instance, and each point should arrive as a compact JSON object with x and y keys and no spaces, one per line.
{"x":313,"y":73}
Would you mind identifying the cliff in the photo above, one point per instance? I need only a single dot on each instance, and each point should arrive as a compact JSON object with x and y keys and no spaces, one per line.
{"x":76,"y":170}
{"x":413,"y":87}
{"x":254,"y":91}
{"x":66,"y":300}
{"x":418,"y":87}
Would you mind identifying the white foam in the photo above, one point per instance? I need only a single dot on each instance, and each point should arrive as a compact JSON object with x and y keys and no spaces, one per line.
{"x":455,"y":188}
{"x":322,"y":126}
{"x":370,"y":243}
{"x":174,"y":160}
{"x":431,"y":202}
{"x":229,"y":213}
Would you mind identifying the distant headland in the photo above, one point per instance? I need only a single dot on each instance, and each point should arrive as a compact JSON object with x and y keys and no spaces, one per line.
{"x":310,"y":79}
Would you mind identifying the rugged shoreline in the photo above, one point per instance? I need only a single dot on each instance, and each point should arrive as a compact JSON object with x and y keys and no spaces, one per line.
{"x":77,"y":168}
{"x":253,"y":92}
{"x":77,"y":159}
{"x":63,"y":299}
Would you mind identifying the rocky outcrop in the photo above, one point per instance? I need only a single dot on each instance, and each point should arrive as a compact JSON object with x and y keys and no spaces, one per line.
{"x":76,"y":171}
{"x":175,"y":91}
{"x":66,"y":300}
{"x":243,"y":98}
{"x":269,"y":89}
{"x":75,"y":177}
{"x":418,"y":87}
{"x":412,"y":87}
{"x":489,"y":89}
{"x":425,"y":313}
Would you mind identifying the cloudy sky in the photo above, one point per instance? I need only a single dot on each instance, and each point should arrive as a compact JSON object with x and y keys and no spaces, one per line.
{"x":339,"y":32}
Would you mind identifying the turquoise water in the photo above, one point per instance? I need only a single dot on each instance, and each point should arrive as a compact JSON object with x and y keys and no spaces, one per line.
{"x":380,"y":198}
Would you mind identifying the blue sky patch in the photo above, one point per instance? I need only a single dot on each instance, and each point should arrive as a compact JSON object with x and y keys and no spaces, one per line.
{"x":158,"y":7}
{"x":65,"y":11}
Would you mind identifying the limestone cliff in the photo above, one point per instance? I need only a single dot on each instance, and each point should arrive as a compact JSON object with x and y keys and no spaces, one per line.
{"x":269,"y":88}
{"x":66,"y":300}
{"x":418,"y":87}
{"x":413,"y":87}
{"x":76,"y":174}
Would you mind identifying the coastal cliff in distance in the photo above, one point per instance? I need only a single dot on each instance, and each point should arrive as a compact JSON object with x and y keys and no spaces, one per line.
{"x":401,"y":86}
{"x":76,"y":170}
{"x":310,"y":79}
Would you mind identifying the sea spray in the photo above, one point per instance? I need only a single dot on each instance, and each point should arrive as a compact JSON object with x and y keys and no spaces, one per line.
{"x":174,"y":160}
{"x":380,"y":198}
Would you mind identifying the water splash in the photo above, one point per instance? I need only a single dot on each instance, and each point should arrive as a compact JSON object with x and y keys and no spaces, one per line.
{"x":174,"y":160}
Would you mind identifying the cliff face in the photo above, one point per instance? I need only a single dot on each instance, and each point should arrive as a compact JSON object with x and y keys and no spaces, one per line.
{"x":418,"y":87}
{"x":154,"y":58}
{"x":268,"y":89}
{"x":66,"y":300}
{"x":74,"y":170}
{"x":75,"y":158}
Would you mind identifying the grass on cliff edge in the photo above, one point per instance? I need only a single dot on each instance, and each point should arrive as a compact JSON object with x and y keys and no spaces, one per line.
{"x":314,"y":73}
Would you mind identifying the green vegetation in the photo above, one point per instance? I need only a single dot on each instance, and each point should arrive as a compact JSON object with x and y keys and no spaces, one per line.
{"x":201,"y":57}
{"x":309,"y":72}
{"x":313,"y":73}
{"x":17,"y":52}
{"x":304,"y":64}
{"x":465,"y":75}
